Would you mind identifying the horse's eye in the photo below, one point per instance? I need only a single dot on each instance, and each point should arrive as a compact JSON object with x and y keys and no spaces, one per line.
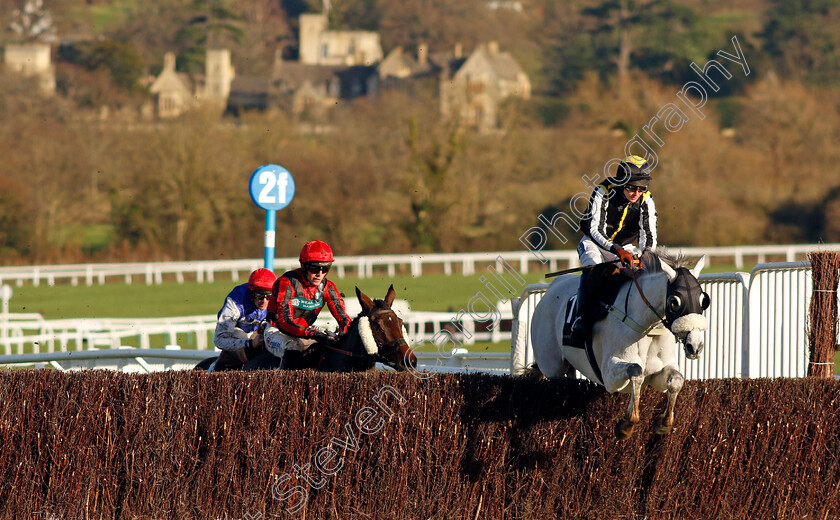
{"x":705,"y":301}
{"x":674,"y":303}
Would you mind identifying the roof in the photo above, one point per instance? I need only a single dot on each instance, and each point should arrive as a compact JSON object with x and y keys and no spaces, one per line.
{"x":505,"y":65}
{"x":294,"y":74}
{"x":250,"y":85}
{"x":501,"y":64}
{"x":170,"y":80}
{"x":401,"y":65}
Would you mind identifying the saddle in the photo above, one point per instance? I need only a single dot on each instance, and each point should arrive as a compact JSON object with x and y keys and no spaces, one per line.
{"x":603,"y":284}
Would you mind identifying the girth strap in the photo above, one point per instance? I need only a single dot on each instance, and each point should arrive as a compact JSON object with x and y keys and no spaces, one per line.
{"x":590,"y":355}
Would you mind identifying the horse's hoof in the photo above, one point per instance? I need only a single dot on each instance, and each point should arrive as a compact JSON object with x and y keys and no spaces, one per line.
{"x":660,"y":428}
{"x":623,"y":430}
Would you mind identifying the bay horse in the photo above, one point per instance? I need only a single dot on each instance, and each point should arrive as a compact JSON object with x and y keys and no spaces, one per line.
{"x":377,"y":334}
{"x":635,"y":345}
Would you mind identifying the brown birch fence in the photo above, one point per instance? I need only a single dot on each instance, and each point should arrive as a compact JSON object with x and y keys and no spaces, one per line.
{"x":822,"y":335}
{"x":176,"y":445}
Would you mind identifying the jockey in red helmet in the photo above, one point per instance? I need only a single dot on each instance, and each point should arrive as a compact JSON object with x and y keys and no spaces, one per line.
{"x":298,"y":297}
{"x":238,"y":332}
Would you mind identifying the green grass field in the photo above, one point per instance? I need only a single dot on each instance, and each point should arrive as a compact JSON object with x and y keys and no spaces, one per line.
{"x":116,"y":299}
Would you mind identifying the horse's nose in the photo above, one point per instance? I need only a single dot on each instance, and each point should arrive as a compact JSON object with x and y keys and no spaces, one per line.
{"x":694,"y":345}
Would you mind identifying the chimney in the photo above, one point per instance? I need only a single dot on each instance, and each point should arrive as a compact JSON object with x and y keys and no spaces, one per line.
{"x":493,"y":47}
{"x":459,"y":50}
{"x":169,"y":61}
{"x":422,"y":54}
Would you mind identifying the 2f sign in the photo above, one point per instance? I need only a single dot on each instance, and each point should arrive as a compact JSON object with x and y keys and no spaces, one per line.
{"x":272,"y":187}
{"x":269,"y":182}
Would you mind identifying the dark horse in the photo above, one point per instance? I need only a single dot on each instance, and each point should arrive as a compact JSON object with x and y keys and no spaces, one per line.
{"x":376,"y":335}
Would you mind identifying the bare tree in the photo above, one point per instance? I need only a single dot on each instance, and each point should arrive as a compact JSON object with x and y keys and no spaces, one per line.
{"x":33,"y":22}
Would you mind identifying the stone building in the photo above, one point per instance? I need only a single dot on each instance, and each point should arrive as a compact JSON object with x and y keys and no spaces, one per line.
{"x":176,"y":92}
{"x":473,"y":92}
{"x":32,"y":60}
{"x":320,"y":46}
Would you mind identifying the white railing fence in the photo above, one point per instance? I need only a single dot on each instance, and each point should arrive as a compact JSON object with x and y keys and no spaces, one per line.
{"x":758,"y":327}
{"x":758,"y":324}
{"x":25,"y":336}
{"x":364,"y":266}
{"x":779,"y":306}
{"x":28,"y":338}
{"x":725,"y":340}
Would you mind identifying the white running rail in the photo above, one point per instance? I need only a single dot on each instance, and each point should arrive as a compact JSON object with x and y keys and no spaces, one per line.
{"x":758,"y":324}
{"x":363,"y":266}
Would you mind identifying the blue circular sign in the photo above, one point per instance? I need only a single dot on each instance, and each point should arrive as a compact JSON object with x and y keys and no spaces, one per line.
{"x":272,"y":187}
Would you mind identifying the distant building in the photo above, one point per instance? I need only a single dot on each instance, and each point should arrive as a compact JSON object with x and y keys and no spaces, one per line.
{"x":474,"y":90}
{"x":399,"y":68}
{"x":218,"y":77}
{"x":32,"y":60}
{"x":307,"y":91}
{"x":320,"y":46}
{"x":333,"y":66}
{"x":505,"y":5}
{"x":176,"y":92}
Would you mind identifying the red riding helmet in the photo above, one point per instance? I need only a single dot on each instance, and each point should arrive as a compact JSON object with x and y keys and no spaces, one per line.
{"x":316,"y":252}
{"x":261,"y":280}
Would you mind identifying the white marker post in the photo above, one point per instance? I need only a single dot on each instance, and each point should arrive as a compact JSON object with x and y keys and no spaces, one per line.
{"x":272,"y":187}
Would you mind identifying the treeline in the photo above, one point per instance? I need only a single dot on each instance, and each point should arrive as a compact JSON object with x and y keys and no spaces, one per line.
{"x":388,"y":175}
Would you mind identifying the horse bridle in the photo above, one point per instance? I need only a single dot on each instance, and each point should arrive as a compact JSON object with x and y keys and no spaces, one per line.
{"x":376,"y":357}
{"x":670,"y":297}
{"x":394,"y":342}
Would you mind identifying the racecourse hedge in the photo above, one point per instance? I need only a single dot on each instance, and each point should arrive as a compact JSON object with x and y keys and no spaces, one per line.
{"x":101,"y":444}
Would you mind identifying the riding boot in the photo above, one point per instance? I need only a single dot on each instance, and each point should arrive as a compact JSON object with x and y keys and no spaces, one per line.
{"x":580,"y":327}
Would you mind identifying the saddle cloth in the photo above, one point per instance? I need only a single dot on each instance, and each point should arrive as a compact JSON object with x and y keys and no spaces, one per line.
{"x":606,"y":291}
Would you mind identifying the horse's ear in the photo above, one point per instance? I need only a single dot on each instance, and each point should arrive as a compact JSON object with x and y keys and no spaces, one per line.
{"x":364,"y":301}
{"x":668,"y":270}
{"x":699,"y":267}
{"x":389,"y":298}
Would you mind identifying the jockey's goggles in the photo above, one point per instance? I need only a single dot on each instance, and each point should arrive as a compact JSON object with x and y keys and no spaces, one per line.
{"x":315,"y":269}
{"x":631,"y":189}
{"x":261,"y":295}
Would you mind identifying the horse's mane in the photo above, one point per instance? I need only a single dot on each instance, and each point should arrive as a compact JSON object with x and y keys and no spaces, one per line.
{"x":379,"y":304}
{"x":674,"y":261}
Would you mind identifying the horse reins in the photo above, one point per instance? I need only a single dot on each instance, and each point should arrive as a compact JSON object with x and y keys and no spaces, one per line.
{"x":644,"y":298}
{"x":624,"y":317}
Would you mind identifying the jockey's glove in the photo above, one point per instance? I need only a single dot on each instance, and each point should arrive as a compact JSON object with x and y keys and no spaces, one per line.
{"x":324,"y":337}
{"x":625,"y":256}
